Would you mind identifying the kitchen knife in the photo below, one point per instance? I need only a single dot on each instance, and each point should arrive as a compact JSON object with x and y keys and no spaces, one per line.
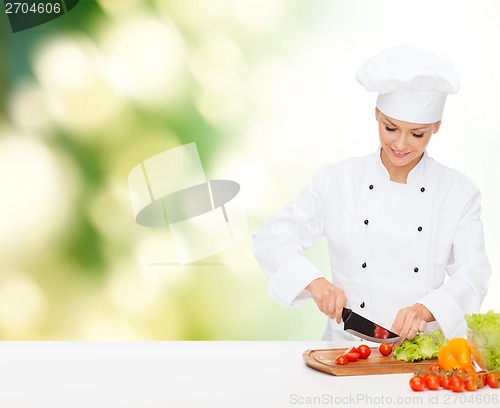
{"x":366,"y":329}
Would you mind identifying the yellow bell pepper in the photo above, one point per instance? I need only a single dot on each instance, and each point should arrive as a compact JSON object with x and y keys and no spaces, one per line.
{"x":455,"y":354}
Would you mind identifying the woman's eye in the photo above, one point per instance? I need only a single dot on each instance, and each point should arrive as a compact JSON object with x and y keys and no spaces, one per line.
{"x":420,"y":135}
{"x":390,"y":129}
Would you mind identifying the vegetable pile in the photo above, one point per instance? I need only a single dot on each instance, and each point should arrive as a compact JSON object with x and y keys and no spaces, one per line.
{"x":454,"y":371}
{"x":455,"y":380}
{"x":421,"y":347}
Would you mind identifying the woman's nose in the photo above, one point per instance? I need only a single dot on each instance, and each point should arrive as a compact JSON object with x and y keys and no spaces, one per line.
{"x":400,"y":142}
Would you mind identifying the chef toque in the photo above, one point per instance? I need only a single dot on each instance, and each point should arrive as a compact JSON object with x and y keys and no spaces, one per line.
{"x":412,"y":84}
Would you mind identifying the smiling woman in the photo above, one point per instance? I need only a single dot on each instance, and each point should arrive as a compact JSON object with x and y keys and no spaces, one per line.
{"x":403,"y":144}
{"x":388,"y":265}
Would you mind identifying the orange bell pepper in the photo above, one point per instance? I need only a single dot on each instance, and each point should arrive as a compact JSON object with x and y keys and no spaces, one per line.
{"x":455,"y":354}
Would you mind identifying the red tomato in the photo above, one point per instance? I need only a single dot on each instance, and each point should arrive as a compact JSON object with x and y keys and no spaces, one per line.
{"x":481,"y":376}
{"x":364,"y":351}
{"x":456,"y":384}
{"x":417,"y":383}
{"x":385,"y":349}
{"x":435,"y":367}
{"x":352,"y":356}
{"x":432,"y":382}
{"x":341,"y":360}
{"x":445,"y":382}
{"x":461,"y":372}
{"x":492,"y":380}
{"x":470,"y":383}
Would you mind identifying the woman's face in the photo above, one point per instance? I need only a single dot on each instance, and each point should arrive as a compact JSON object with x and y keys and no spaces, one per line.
{"x":403,"y":142}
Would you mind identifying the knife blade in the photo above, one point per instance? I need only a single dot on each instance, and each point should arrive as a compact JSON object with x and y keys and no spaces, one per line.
{"x":366,"y":329}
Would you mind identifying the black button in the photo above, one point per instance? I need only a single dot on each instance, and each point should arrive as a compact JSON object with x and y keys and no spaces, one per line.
{"x":366,"y":222}
{"x":362,"y":305}
{"x":364,"y":265}
{"x":419,"y":229}
{"x":370,"y":186}
{"x":415,"y":270}
{"x":422,"y":189}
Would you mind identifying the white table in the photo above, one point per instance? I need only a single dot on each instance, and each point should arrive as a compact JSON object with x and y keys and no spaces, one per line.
{"x":197,"y":374}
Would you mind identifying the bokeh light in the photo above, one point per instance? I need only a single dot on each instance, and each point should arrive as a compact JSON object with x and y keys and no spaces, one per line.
{"x":266,"y":90}
{"x":76,"y":92}
{"x":37,"y":196}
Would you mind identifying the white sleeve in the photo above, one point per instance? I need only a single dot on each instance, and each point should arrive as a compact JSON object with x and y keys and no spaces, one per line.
{"x":279,"y":245}
{"x":469,"y":271}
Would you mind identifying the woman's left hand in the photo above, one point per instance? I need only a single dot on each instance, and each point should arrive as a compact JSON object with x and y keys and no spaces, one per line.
{"x":411,"y":320}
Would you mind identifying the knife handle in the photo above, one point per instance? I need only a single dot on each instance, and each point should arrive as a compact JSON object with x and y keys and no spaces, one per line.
{"x":346,"y":313}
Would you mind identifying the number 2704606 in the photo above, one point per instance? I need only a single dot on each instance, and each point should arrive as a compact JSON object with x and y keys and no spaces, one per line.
{"x":35,"y":8}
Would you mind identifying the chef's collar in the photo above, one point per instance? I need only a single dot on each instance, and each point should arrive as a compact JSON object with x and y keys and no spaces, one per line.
{"x":415,"y":174}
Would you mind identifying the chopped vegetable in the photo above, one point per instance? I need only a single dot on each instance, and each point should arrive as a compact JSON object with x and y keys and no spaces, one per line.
{"x":421,"y":347}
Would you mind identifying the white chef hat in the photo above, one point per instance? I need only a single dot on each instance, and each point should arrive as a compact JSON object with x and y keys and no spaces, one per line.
{"x":412,"y":84}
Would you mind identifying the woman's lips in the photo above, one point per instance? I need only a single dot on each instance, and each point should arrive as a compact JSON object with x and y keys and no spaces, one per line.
{"x":399,"y":154}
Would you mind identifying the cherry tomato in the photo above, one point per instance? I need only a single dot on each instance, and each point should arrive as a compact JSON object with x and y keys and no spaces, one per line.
{"x":470,"y":383}
{"x":432,"y":382}
{"x":481,"y":375}
{"x":341,"y":360}
{"x":385,"y":349}
{"x":456,"y":384}
{"x":445,"y":382}
{"x":364,"y":351}
{"x":492,"y":380}
{"x":435,"y":367}
{"x":417,"y":383}
{"x":381,"y":333}
{"x":461,"y":372}
{"x":353,"y":349}
{"x":352,"y":356}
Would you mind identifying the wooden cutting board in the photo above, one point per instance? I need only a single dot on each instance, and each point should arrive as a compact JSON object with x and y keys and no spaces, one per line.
{"x":324,"y":360}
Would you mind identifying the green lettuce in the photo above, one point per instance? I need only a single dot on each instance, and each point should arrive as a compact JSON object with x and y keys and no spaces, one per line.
{"x":484,"y":338}
{"x":421,"y":347}
{"x":486,"y":328}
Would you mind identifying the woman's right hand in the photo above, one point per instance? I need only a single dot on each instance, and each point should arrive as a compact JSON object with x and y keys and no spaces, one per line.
{"x":329,"y":298}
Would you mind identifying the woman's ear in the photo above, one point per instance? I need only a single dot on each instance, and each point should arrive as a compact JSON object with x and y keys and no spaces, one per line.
{"x":436,"y":127}
{"x":377,"y":111}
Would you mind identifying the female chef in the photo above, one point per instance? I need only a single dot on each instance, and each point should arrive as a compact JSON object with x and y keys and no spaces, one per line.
{"x":396,"y":222}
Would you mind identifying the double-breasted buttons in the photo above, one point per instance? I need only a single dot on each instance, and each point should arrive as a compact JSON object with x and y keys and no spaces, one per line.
{"x":419,"y":229}
{"x":370,"y":186}
{"x":366,"y":222}
{"x":362,"y":305}
{"x":364,"y":265}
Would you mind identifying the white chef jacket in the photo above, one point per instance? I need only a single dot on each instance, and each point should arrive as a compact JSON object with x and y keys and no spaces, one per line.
{"x":390,"y":244}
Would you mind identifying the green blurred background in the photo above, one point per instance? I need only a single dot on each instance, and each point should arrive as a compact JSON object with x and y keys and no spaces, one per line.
{"x":266,"y":90}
